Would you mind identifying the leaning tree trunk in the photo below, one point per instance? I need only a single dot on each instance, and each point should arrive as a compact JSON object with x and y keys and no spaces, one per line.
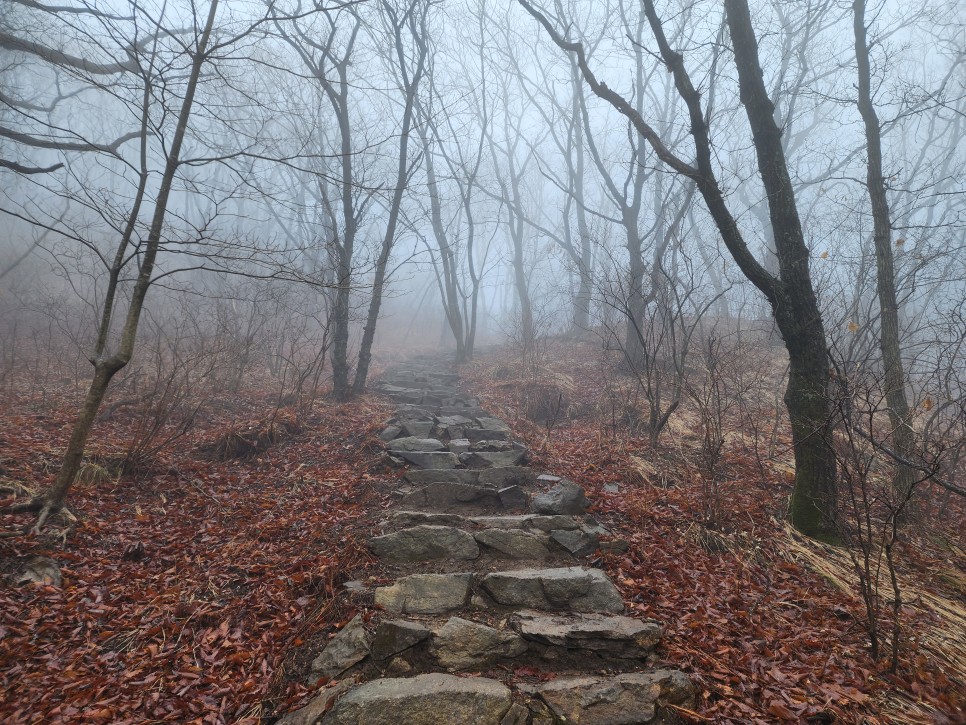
{"x":105,"y":369}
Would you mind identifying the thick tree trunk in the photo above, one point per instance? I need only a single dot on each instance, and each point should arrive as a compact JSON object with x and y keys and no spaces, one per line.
{"x":813,"y":505}
{"x":791,"y":295}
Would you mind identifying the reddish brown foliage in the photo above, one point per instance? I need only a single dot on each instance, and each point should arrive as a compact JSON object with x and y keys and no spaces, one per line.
{"x":184,"y":590}
{"x":766,"y":639}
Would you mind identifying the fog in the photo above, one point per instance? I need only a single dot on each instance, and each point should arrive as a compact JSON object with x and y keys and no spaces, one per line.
{"x":312,"y":184}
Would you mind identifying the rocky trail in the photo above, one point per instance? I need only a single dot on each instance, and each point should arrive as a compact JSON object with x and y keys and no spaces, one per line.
{"x":493,"y":616}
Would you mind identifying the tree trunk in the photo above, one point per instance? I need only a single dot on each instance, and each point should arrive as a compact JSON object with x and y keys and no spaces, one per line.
{"x":895,"y":381}
{"x":105,"y":369}
{"x":813,"y":505}
{"x":340,"y":332}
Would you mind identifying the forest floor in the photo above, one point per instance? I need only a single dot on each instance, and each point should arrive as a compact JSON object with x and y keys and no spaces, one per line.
{"x":197,"y":587}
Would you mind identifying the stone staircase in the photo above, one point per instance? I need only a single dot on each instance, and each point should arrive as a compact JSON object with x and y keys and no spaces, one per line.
{"x":491,"y":619}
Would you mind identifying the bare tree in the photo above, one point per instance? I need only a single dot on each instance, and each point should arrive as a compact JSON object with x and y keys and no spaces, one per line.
{"x":107,"y":363}
{"x":790,"y":292}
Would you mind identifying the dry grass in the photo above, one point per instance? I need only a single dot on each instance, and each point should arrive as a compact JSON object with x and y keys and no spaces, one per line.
{"x":941,"y":633}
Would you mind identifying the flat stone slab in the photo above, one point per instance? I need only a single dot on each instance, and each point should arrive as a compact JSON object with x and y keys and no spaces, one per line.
{"x":576,"y":588}
{"x":441,"y":494}
{"x":463,"y":645}
{"x":514,"y":543}
{"x":425,"y":594}
{"x":431,"y":699}
{"x":425,"y":543}
{"x":475,"y":435}
{"x":412,"y":443}
{"x":441,"y":476}
{"x":505,"y":476}
{"x":627,"y":699}
{"x":417,"y":429}
{"x":610,"y":635}
{"x":492,"y":423}
{"x":492,"y":459}
{"x":438,"y":460}
{"x":526,"y":521}
{"x":413,"y":518}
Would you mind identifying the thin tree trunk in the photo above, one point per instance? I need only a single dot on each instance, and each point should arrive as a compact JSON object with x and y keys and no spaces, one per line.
{"x":895,"y":381}
{"x":105,"y":369}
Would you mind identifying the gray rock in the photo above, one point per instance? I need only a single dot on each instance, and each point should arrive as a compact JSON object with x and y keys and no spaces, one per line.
{"x":517,"y":715}
{"x":492,"y":423}
{"x":492,"y":459}
{"x":390,"y":432}
{"x":349,"y":646}
{"x":505,"y":476}
{"x":432,"y":699}
{"x":413,"y":518}
{"x":35,"y":570}
{"x":454,"y":420}
{"x":430,"y":459}
{"x":612,"y":488}
{"x":612,"y":636}
{"x":514,"y":543}
{"x":495,"y":446}
{"x":627,"y":699}
{"x":313,"y":713}
{"x":411,"y":443}
{"x":425,"y":594}
{"x":576,"y":588}
{"x":526,"y":521}
{"x":564,"y":498}
{"x":578,"y":543}
{"x":476,"y":435}
{"x":445,"y":476}
{"x":513,"y":498}
{"x":548,"y":478}
{"x":417,"y":429}
{"x":503,"y":522}
{"x":443,"y":494}
{"x":554,"y":523}
{"x":461,"y":645}
{"x":590,"y":525}
{"x":425,"y":543}
{"x":393,"y":636}
{"x":459,"y":445}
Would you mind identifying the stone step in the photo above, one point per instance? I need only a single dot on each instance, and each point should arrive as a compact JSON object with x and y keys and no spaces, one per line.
{"x":426,"y":593}
{"x":563,"y":643}
{"x":574,"y":588}
{"x":430,"y":699}
{"x":576,"y":643}
{"x":449,"y":495}
{"x":638,"y":698}
{"x":467,"y":502}
{"x":608,"y":636}
{"x":425,"y":543}
{"x":634,"y":698}
{"x":436,"y":460}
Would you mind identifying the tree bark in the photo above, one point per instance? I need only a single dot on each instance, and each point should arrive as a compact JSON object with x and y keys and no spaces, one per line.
{"x":894,"y":376}
{"x":791,"y":295}
{"x":105,"y":369}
